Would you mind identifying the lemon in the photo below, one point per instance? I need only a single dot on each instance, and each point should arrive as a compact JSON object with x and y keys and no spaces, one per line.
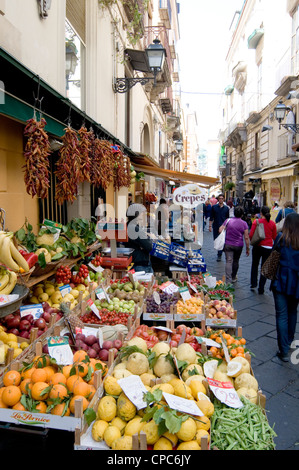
{"x":203,"y":422}
{"x":234,"y":369}
{"x":17,"y":352}
{"x":202,"y":433}
{"x":111,"y":386}
{"x":163,"y":444}
{"x":111,"y":433}
{"x":11,"y":337}
{"x":206,"y":407}
{"x":189,"y":445}
{"x":125,"y":408}
{"x":98,"y":429}
{"x":107,"y":408}
{"x":245,"y":364}
{"x":196,"y":386}
{"x":182,"y":390}
{"x":122,"y":443}
{"x":12,"y":344}
{"x":152,"y":432}
{"x":168,"y":388}
{"x":173,"y":438}
{"x":120,"y":423}
{"x":24,"y":345}
{"x":187,"y":431}
{"x":210,"y":367}
{"x":191,"y":370}
{"x":134,"y":426}
{"x":146,"y":378}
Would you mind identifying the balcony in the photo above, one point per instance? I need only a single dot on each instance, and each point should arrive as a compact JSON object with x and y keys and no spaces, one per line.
{"x":236,"y":136}
{"x":165,"y":13}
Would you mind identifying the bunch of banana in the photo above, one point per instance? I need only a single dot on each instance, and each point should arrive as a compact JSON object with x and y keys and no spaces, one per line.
{"x":10,"y":255}
{"x":8,"y":280}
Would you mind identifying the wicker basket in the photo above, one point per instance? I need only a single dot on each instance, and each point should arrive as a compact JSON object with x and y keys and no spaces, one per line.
{"x":24,"y":277}
{"x":39,"y":271}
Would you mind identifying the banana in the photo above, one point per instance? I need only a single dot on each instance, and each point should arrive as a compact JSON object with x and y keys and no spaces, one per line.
{"x":5,"y":255}
{"x":19,"y":259}
{"x":2,"y":353}
{"x":11,"y":285}
{"x":4,"y":280}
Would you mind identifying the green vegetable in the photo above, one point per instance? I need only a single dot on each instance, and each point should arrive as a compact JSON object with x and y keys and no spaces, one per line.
{"x":244,"y":428}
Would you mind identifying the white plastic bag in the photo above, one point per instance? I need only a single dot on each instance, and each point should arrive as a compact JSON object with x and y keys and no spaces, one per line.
{"x":220,"y":241}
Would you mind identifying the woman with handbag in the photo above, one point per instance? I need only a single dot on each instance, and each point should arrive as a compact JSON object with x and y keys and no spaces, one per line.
{"x":288,"y":208}
{"x":262,"y":249}
{"x":236,"y":230}
{"x":285,"y":286}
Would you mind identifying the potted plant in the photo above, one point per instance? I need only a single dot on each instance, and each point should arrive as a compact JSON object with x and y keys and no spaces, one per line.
{"x":229,"y":186}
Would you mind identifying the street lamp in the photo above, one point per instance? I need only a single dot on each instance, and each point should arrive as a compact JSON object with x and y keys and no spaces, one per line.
{"x":71,"y":59}
{"x":280,"y":112}
{"x":179,"y":145}
{"x":155,"y":54}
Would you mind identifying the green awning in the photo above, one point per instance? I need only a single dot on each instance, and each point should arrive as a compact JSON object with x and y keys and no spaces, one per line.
{"x":21,"y":85}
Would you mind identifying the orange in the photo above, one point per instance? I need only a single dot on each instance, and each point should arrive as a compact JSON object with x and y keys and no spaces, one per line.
{"x":57,"y":378}
{"x":72,"y":380}
{"x":50,"y":372}
{"x":26,"y":374}
{"x":66,"y":370}
{"x":60,"y":410}
{"x":80,"y":356}
{"x":12,"y":377}
{"x":25,"y":386}
{"x":42,"y":361}
{"x":11,"y":395}
{"x":41,"y":407}
{"x":81,"y":369}
{"x":213,"y":350}
{"x":1,"y":391}
{"x":72,"y":403}
{"x":92,"y":391}
{"x":58,"y":391}
{"x":233,"y":352}
{"x":2,"y":404}
{"x":243,"y":341}
{"x":18,"y":406}
{"x":39,"y":375}
{"x":81,"y":388}
{"x":38,"y":391}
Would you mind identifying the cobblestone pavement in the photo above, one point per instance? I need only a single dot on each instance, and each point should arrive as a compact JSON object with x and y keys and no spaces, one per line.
{"x":279,"y":381}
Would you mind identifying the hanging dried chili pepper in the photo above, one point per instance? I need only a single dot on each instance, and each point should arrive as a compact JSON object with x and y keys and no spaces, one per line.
{"x":37,"y":151}
{"x":67,"y":168}
{"x":85,"y":157}
{"x":105,"y":163}
{"x":122,"y":167}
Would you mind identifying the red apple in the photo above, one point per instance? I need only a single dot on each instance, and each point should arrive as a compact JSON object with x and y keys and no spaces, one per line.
{"x":117,"y":343}
{"x":24,"y":325}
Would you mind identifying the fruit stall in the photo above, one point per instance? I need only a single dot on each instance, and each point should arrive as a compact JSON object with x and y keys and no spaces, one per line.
{"x":123,"y":363}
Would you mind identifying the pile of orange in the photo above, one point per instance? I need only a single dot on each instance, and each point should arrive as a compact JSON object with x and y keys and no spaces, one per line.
{"x":51,"y":388}
{"x":235,"y":346}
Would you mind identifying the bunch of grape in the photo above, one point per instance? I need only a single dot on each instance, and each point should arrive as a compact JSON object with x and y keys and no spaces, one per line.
{"x":164,"y":307}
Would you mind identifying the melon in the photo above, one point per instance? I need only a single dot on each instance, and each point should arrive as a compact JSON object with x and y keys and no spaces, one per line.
{"x":121,"y":329}
{"x":109,"y":333}
{"x":246,"y":380}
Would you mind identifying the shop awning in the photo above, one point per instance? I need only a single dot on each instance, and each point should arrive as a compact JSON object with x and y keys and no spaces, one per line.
{"x":280,"y":172}
{"x":20,"y":85}
{"x":177,"y":176}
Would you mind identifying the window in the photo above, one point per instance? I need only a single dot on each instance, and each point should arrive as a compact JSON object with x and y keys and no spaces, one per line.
{"x":74,"y":66}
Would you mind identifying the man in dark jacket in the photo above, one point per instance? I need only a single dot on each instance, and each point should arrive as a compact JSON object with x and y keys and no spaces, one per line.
{"x":139,"y":239}
{"x":219,"y":213}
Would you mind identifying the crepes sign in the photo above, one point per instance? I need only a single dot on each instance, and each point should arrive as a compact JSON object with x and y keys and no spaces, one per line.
{"x":189,"y":196}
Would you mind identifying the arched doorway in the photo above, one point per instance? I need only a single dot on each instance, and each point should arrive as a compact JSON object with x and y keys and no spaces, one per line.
{"x":239,"y":181}
{"x":146,"y":141}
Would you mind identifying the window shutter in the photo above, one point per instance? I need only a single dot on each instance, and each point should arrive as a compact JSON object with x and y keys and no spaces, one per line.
{"x":76,"y":15}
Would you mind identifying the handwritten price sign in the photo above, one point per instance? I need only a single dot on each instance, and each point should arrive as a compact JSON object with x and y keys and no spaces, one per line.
{"x":225,"y":392}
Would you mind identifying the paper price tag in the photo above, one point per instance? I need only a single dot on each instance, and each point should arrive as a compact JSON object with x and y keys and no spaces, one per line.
{"x":225,"y":392}
{"x":134,"y":389}
{"x":182,"y":404}
{"x":169,"y":287}
{"x":94,"y":308}
{"x":97,"y":269}
{"x":33,"y":309}
{"x":207,"y":341}
{"x":185,"y":294}
{"x":192,"y":287}
{"x":156,"y":297}
{"x":162,"y":328}
{"x":59,"y":349}
{"x":65,"y":289}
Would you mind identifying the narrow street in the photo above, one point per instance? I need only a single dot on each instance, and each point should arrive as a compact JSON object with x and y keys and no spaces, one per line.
{"x":278,"y":381}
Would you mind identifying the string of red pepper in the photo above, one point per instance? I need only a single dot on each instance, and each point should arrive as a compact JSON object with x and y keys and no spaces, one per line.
{"x":37,"y":151}
{"x":67,"y":168}
{"x":84,"y":154}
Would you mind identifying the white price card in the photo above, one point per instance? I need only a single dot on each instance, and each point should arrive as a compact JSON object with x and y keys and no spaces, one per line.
{"x":102,"y":294}
{"x":65,"y":290}
{"x":134,"y":389}
{"x":192,"y":287}
{"x":156,"y":297}
{"x":210,"y":281}
{"x":36,"y":310}
{"x":97,"y":269}
{"x":60,"y":350}
{"x":225,"y":392}
{"x":185,"y":294}
{"x":169,"y":287}
{"x":207,"y":341}
{"x":182,"y":404}
{"x":94,"y":308}
{"x":162,"y":328}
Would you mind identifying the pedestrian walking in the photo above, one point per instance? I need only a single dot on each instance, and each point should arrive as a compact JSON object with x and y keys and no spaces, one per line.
{"x":236,"y":233}
{"x":213,"y":200}
{"x":219,"y":213}
{"x":262,"y":251}
{"x":285,"y":287}
{"x":207,"y":208}
{"x":288,"y":208}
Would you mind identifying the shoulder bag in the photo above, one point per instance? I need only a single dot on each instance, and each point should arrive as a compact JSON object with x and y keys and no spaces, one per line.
{"x":270,"y":266}
{"x":219,"y":242}
{"x":279,"y":224}
{"x":258,"y":235}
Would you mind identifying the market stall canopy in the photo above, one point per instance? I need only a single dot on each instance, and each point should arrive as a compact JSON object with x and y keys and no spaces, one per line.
{"x":20,"y":85}
{"x":145,"y":164}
